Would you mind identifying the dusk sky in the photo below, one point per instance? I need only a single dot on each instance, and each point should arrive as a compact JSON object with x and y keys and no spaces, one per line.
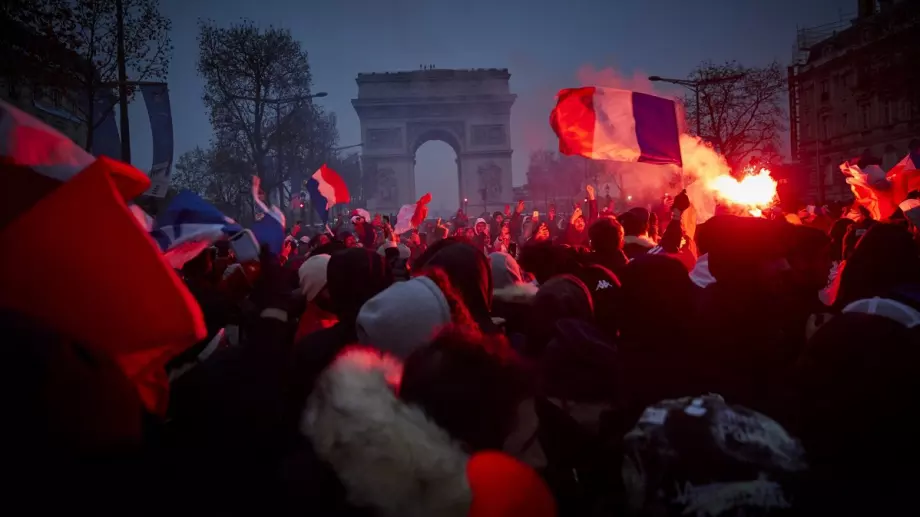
{"x":546,"y":45}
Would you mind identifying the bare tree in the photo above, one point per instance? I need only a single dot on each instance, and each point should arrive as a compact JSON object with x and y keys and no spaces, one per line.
{"x":217,"y":176}
{"x":739,"y":117}
{"x":257,"y":89}
{"x":193,"y":171}
{"x":77,"y":58}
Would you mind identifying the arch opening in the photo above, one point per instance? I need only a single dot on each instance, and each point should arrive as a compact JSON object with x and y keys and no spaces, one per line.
{"x":437,"y":171}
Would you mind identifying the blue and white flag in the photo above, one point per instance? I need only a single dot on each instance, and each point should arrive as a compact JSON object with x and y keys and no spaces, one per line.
{"x":156,"y":97}
{"x":269,"y":226}
{"x":106,"y":139}
{"x":188,"y":226}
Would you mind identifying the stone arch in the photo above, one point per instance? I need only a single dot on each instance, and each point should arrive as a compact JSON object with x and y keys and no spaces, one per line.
{"x":437,"y":134}
{"x":470,"y":110}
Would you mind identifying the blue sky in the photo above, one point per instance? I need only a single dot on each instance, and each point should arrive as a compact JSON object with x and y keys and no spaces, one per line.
{"x":544,"y":44}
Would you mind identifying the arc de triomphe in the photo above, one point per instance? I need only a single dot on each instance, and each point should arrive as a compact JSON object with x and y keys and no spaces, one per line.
{"x":470,"y":110}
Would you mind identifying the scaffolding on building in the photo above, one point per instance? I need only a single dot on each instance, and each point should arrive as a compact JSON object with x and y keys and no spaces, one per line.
{"x":806,"y":38}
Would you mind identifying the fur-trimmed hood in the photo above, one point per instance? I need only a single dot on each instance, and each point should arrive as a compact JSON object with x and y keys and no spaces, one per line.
{"x":516,"y":293}
{"x":641,"y":240}
{"x":387,"y":454}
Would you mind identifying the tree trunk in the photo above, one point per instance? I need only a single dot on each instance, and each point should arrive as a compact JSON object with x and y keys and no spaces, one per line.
{"x":91,"y":119}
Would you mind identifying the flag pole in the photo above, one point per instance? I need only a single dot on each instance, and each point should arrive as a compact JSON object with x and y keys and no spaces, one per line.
{"x":122,"y":82}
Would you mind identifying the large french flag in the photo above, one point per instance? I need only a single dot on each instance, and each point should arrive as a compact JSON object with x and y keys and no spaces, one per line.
{"x":619,"y":125}
{"x":188,"y":226}
{"x":327,"y":189}
{"x":131,"y":305}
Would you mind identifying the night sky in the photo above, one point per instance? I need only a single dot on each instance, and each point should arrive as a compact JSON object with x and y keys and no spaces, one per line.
{"x":546,"y":45}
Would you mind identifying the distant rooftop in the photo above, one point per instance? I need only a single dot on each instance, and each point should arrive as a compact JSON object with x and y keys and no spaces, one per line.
{"x":435,"y":73}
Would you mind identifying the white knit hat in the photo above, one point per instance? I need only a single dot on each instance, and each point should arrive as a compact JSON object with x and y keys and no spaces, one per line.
{"x":312,"y":274}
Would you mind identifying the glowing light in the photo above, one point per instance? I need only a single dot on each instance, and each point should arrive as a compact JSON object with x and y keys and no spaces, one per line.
{"x":628,"y":198}
{"x":754,"y":191}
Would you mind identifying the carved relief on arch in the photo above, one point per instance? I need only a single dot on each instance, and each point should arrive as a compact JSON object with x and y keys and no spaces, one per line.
{"x":490,"y":181}
{"x":386,"y":138}
{"x":489,"y":134}
{"x":387,"y":187}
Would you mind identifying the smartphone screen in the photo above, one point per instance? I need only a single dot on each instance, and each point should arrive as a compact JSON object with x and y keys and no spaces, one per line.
{"x":245,"y":246}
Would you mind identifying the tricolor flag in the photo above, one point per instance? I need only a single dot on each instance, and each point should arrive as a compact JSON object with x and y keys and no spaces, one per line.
{"x":327,"y":189}
{"x":269,"y":226}
{"x":411,"y":216}
{"x":188,"y":226}
{"x":619,"y":125}
{"x":877,"y":203}
{"x":132,"y":306}
{"x":904,"y":177}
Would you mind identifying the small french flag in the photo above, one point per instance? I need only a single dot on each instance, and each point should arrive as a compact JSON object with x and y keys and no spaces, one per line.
{"x":327,"y":189}
{"x":618,"y":125}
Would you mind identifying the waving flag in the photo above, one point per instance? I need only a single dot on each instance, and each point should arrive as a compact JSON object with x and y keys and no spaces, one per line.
{"x":904,"y":177}
{"x":411,"y":216}
{"x":269,"y":226}
{"x":136,"y":310}
{"x":188,"y":226}
{"x":327,"y":189}
{"x":619,"y":125}
{"x":877,"y":202}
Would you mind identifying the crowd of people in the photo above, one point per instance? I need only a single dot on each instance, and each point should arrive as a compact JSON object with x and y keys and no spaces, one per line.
{"x":512,"y":365}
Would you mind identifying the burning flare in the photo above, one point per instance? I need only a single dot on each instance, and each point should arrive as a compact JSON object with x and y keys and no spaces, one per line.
{"x":753,"y":192}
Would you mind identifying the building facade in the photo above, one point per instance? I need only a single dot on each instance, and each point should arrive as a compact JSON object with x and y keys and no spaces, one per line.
{"x":854,"y":88}
{"x":30,"y":62}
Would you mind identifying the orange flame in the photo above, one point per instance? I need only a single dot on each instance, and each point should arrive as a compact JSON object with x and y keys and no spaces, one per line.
{"x":754,"y":191}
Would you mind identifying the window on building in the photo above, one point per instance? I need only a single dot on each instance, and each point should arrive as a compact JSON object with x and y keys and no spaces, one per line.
{"x":56,"y":98}
{"x":845,"y":122}
{"x":825,"y":127}
{"x":885,"y":112}
{"x":904,"y":111}
{"x":806,"y":130}
{"x":825,"y":87}
{"x":864,"y":118}
{"x":847,"y":80}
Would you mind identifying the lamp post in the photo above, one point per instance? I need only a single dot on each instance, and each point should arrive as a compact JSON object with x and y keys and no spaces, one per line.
{"x":695,"y":87}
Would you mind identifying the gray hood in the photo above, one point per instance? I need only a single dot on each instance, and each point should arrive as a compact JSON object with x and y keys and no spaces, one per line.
{"x":403,"y":317}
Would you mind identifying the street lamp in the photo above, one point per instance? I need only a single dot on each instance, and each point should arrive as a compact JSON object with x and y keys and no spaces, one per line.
{"x":695,"y":87}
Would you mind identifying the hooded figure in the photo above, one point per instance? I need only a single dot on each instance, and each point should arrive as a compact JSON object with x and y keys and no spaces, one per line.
{"x":606,"y":241}
{"x":316,"y":316}
{"x":353,"y":277}
{"x":576,"y":372}
{"x":884,"y":258}
{"x":481,"y":239}
{"x":865,"y":358}
{"x":393,"y":459}
{"x":635,"y":228}
{"x":747,"y":304}
{"x":382,"y":321}
{"x":469,"y":273}
{"x":655,"y":321}
{"x":512,"y":297}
